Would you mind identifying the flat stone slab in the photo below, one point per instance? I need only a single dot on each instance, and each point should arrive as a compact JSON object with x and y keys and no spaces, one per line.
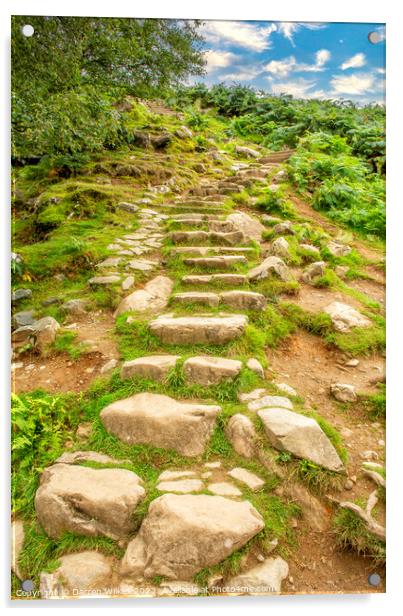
{"x":250,"y":479}
{"x":270,"y":401}
{"x":110,"y":262}
{"x":300,"y":435}
{"x":161,"y":421}
{"x":87,"y":501}
{"x":244,"y":300}
{"x":196,"y":330}
{"x":172,"y":475}
{"x":141,"y":265}
{"x":222,"y":262}
{"x":223,"y":488}
{"x":112,"y":279}
{"x":183,"y":486}
{"x":152,"y":298}
{"x":205,"y":250}
{"x":232,"y":279}
{"x":206,"y":370}
{"x":182,"y":534}
{"x":194,"y":297}
{"x":155,"y":367}
{"x":345,"y":317}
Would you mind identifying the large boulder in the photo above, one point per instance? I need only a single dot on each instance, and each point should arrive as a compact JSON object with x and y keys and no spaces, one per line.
{"x":153,"y":298}
{"x":300,"y":435}
{"x":271,"y":267}
{"x":183,"y":534}
{"x":263,"y":579}
{"x":242,"y":435}
{"x":251,"y":228}
{"x":161,"y":421}
{"x":345,"y":317}
{"x":77,"y":575}
{"x":87,"y":501}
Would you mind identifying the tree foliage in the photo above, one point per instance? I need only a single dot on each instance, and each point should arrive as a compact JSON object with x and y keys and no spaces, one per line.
{"x":67,"y":77}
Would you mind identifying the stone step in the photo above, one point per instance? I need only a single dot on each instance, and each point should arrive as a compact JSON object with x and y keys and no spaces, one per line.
{"x":194,"y":297}
{"x":221,"y":262}
{"x":204,"y":208}
{"x":205,"y":250}
{"x":193,"y":219}
{"x":244,"y":300}
{"x":206,"y":329}
{"x":232,"y":279}
{"x":227,"y":239}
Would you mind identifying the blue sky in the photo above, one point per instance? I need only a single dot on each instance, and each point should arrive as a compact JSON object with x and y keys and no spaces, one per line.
{"x":307,"y":60}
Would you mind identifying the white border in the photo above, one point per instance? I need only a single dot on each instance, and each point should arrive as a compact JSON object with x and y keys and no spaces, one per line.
{"x":288,"y":10}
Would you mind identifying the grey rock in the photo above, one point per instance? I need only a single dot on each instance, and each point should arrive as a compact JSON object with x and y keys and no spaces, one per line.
{"x":242,"y":435}
{"x":19,"y":294}
{"x":75,"y":307}
{"x":87,"y":501}
{"x":271,"y":266}
{"x":300,"y":435}
{"x":26,"y":317}
{"x":153,"y":298}
{"x":265,"y":578}
{"x":255,"y":365}
{"x":155,"y":367}
{"x":183,"y":534}
{"x":161,"y":421}
{"x":343,"y":392}
{"x":313,"y":271}
{"x":128,"y":207}
{"x":345,"y":317}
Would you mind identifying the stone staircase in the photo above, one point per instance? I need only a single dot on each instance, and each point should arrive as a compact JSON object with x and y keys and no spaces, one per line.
{"x":201,"y":511}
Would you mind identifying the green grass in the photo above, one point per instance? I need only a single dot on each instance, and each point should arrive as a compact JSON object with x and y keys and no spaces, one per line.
{"x":351,"y":534}
{"x":375,"y":404}
{"x":65,"y":342}
{"x":41,"y":553}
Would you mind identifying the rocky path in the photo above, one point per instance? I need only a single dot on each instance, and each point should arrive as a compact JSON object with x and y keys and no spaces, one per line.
{"x":192,"y":277}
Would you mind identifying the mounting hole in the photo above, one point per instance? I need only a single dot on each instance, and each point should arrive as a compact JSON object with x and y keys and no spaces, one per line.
{"x":27,"y":30}
{"x":374,"y":579}
{"x":374,"y":37}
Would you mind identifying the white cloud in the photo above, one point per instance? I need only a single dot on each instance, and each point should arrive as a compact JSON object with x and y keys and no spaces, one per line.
{"x":322,"y":56}
{"x":355,"y":84}
{"x":381,"y":71}
{"x":289,"y":28}
{"x":282,"y":68}
{"x":255,"y":37}
{"x":219,"y":59}
{"x":244,"y":74}
{"x":299,"y":88}
{"x":356,"y":61}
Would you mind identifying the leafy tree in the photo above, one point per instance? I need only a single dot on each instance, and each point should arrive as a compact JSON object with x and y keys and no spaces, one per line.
{"x":134,"y":56}
{"x":68,"y":76}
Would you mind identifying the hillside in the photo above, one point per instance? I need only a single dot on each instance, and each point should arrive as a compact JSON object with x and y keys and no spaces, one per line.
{"x":199,"y":351}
